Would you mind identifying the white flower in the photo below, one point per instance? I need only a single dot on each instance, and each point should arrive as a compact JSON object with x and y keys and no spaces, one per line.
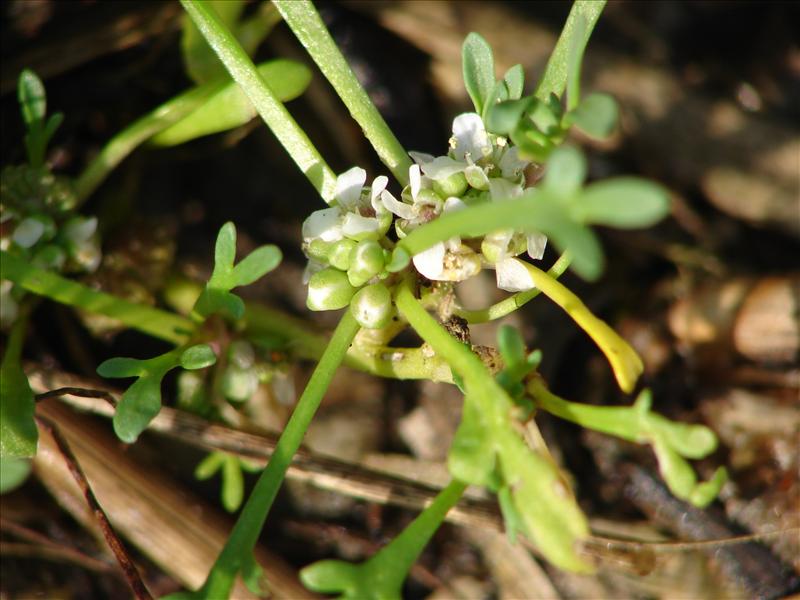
{"x":356,"y":215}
{"x":420,"y":203}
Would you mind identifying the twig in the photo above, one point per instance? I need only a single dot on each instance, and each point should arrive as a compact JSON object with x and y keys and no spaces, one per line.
{"x":77,"y":391}
{"x":121,"y":554}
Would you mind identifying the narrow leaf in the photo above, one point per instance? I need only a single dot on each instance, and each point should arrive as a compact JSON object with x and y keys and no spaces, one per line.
{"x":257,"y":264}
{"x":478,"y":69}
{"x":232,"y":484}
{"x":229,"y":107}
{"x":515,"y":82}
{"x":32,"y":98}
{"x":224,"y":255}
{"x":625,"y":202}
{"x":565,"y":172}
{"x":121,"y":367}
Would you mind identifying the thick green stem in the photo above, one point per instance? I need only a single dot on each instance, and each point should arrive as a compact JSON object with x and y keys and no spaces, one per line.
{"x":512,"y":303}
{"x":238,"y":549}
{"x":306,"y":24}
{"x":158,"y":323}
{"x":275,"y":115}
{"x":554,"y":79}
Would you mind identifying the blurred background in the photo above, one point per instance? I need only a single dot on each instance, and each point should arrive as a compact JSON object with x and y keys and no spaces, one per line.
{"x":710,"y":108}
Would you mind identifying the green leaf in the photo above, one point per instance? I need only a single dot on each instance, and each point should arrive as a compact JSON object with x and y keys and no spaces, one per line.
{"x":503,"y":118}
{"x":232,"y":483}
{"x":18,"y":432}
{"x":513,"y":521}
{"x":214,"y":300}
{"x":472,"y":456}
{"x":32,"y":98}
{"x":624,"y":202}
{"x":199,"y":356}
{"x":121,"y":367}
{"x":139,"y":405}
{"x":257,"y":264}
{"x":478,"y":69}
{"x":515,"y":82}
{"x":141,"y":401}
{"x":253,"y":576}
{"x":13,"y":473}
{"x":596,"y":116}
{"x":224,"y":255}
{"x":565,"y":172}
{"x":209,"y":465}
{"x":399,"y":260}
{"x":576,"y":48}
{"x":229,"y":107}
{"x":511,"y":346}
{"x":199,"y":59}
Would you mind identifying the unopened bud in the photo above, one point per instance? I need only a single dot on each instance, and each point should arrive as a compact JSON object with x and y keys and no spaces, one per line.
{"x":329,"y":289}
{"x":341,"y":253}
{"x":452,"y":186}
{"x":367,"y":261}
{"x":372,"y":306}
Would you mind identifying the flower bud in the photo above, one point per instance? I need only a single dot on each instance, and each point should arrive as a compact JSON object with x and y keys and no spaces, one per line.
{"x":341,"y":253}
{"x":372,"y":306}
{"x":368,"y":260}
{"x":50,"y":257}
{"x":452,"y":186}
{"x":329,"y":289}
{"x":476,"y":177}
{"x":318,"y":250}
{"x":32,"y":229}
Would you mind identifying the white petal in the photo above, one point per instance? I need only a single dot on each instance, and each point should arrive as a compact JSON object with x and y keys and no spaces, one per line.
{"x":470,"y":136}
{"x":430,"y":262}
{"x":348,"y":187}
{"x":376,"y":190}
{"x":503,"y":189}
{"x":421,"y":157}
{"x":355,"y":225}
{"x":415,"y":179}
{"x":325,"y":224}
{"x":401,"y":209}
{"x":510,"y":163}
{"x":512,"y":275}
{"x":536,"y":245}
{"x":442,"y":167}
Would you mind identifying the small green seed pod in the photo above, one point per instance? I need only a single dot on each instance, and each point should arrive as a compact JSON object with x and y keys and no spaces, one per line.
{"x":329,"y":289}
{"x":367,"y":261}
{"x":453,"y":186}
{"x":372,"y":306}
{"x":340,"y":254}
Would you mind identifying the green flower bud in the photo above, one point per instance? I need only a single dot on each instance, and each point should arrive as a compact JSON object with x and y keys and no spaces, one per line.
{"x":237,"y":384}
{"x":318,"y":250}
{"x":341,"y":253}
{"x":372,"y":306}
{"x":329,"y":289}
{"x":241,"y":354}
{"x":453,"y":186}
{"x":476,"y":177}
{"x":367,"y":261}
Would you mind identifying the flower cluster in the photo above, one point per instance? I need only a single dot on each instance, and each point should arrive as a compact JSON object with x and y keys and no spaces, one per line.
{"x":38,"y":221}
{"x":347,"y":244}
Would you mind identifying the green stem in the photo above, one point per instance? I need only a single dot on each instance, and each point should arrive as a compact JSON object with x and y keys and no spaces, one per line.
{"x":126,"y":141}
{"x":158,"y":323}
{"x":512,"y":303}
{"x":248,"y":527}
{"x":307,"y":25}
{"x":554,"y":79}
{"x":275,"y":115}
